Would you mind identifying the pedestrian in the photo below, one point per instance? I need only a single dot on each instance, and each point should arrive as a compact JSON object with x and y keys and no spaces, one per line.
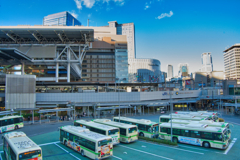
{"x":63,"y":118}
{"x":28,"y":118}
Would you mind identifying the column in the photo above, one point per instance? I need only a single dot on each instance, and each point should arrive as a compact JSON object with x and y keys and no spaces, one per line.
{"x":23,"y":68}
{"x":148,"y":109}
{"x":20,"y":113}
{"x":68,"y":72}
{"x":57,"y":71}
{"x":88,"y":111}
{"x":33,"y":117}
{"x":40,"y":118}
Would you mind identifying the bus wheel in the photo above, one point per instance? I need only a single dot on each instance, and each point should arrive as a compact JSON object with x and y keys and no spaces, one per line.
{"x":206,"y":144}
{"x":141,"y":134}
{"x":82,"y":153}
{"x":175,"y":140}
{"x":16,"y":127}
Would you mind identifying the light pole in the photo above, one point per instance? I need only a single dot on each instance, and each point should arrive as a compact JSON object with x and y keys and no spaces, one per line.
{"x":118,"y":103}
{"x":170,"y":111}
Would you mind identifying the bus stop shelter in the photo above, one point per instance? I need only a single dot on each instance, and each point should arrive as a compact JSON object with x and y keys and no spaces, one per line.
{"x":55,"y":110}
{"x":4,"y":113}
{"x":110,"y":108}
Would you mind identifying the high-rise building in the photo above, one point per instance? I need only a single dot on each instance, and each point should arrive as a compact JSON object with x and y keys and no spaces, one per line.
{"x":60,"y":19}
{"x":183,"y":69}
{"x":232,"y":63}
{"x":127,"y":29}
{"x":170,"y":71}
{"x":207,"y":65}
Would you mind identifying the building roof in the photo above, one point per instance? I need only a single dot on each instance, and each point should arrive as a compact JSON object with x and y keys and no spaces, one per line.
{"x":97,"y":125}
{"x":44,"y":34}
{"x":112,"y":123}
{"x":233,"y":46}
{"x":141,"y":121}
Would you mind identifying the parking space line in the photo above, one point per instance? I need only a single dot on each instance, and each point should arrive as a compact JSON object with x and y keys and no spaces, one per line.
{"x":61,"y":148}
{"x":194,"y":148}
{"x":117,"y":157}
{"x":234,"y":123}
{"x":230,"y":146}
{"x":74,"y":156}
{"x":44,"y":144}
{"x":146,"y":152}
{"x":174,"y":148}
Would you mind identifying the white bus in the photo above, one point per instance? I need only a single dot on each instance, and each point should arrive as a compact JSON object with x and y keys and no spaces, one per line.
{"x":196,"y":134}
{"x":128,"y":133}
{"x":101,"y":129}
{"x":87,"y":143}
{"x":211,"y":115}
{"x":17,"y":146}
{"x":146,"y":128}
{"x":8,"y":123}
{"x":167,"y":118}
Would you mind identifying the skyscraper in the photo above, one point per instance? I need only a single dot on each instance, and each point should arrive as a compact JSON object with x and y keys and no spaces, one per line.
{"x":232,"y":63}
{"x":170,"y":71}
{"x":60,"y":19}
{"x":127,"y":29}
{"x":207,"y":65}
{"x":183,"y":69}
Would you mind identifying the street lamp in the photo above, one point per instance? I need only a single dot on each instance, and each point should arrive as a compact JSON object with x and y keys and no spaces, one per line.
{"x":118,"y":103}
{"x":171,"y":111}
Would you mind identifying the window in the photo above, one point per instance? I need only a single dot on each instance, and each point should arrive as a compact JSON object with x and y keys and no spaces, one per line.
{"x":207,"y":135}
{"x":176,"y":131}
{"x":142,"y":127}
{"x":90,"y":145}
{"x":185,"y":133}
{"x":10,"y":121}
{"x":123,"y":131}
{"x":163,"y":129}
{"x":81,"y":141}
{"x":4,"y":122}
{"x":164,"y":119}
{"x":16,"y":120}
{"x":12,"y":154}
{"x":70,"y":137}
{"x":217,"y":136}
{"x":195,"y":134}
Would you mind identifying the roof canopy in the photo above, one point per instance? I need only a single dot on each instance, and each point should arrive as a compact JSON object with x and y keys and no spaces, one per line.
{"x":13,"y":56}
{"x":44,"y":34}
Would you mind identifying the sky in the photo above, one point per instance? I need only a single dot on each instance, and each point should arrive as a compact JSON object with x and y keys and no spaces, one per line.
{"x":172,"y":31}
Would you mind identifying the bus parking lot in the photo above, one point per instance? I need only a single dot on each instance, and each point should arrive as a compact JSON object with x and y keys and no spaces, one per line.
{"x":53,"y":149}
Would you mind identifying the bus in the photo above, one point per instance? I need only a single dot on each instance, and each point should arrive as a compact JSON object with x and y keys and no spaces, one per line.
{"x":166,"y":118}
{"x":101,"y":129}
{"x":8,"y":123}
{"x":146,"y":128}
{"x":211,"y":115}
{"x":128,"y":132}
{"x":195,"y":134}
{"x":87,"y":143}
{"x":18,"y":146}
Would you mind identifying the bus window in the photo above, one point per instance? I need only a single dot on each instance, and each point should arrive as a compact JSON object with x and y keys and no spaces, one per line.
{"x":185,"y":133}
{"x":104,"y":142}
{"x":163,"y":129}
{"x":207,"y":135}
{"x":195,"y":134}
{"x":81,"y":141}
{"x":132,"y":130}
{"x":142,"y":127}
{"x":122,"y":131}
{"x":176,"y":132}
{"x":12,"y":154}
{"x":0,"y":123}
{"x":112,"y":132}
{"x":4,"y":122}
{"x":30,"y":154}
{"x":70,"y":137}
{"x":10,"y":121}
{"x":21,"y":119}
{"x":16,"y":120}
{"x":90,"y":145}
{"x":148,"y":128}
{"x":217,"y":136}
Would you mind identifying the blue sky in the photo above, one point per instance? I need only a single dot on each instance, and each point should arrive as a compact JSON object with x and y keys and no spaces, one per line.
{"x":172,"y":31}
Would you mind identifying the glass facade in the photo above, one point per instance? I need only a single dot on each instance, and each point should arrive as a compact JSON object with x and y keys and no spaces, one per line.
{"x":121,"y":62}
{"x":61,"y":19}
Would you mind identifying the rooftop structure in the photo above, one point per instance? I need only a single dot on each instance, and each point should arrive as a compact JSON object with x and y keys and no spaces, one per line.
{"x":207,"y":65}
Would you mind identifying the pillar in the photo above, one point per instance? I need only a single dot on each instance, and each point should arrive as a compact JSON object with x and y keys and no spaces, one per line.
{"x":148,"y":109}
{"x":40,"y":118}
{"x":68,"y":72}
{"x":22,"y":68}
{"x":88,"y":111}
{"x":57,"y":71}
{"x":33,"y":117}
{"x":20,"y":113}
{"x":57,"y":116}
{"x":143,"y":110}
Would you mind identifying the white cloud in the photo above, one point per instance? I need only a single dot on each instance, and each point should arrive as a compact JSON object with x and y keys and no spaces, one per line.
{"x":146,"y":7}
{"x":90,"y":3}
{"x":165,"y":15}
{"x":73,"y":13}
{"x":89,"y":15}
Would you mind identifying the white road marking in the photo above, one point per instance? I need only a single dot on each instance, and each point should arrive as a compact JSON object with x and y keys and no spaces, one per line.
{"x":193,"y":148}
{"x":117,"y":157}
{"x":174,"y":148}
{"x":125,"y":152}
{"x":144,"y":146}
{"x":234,"y":123}
{"x":230,"y":146}
{"x":74,"y":156}
{"x":146,"y":152}
{"x":61,"y":148}
{"x":44,"y":144}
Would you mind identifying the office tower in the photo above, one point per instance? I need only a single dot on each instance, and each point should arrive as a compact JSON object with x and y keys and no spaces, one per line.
{"x":183,"y":69}
{"x":60,"y":19}
{"x":207,"y":65}
{"x":231,"y":62}
{"x":170,"y":71}
{"x":127,"y":29}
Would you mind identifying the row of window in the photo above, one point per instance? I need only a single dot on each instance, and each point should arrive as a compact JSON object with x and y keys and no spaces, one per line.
{"x":193,"y":134}
{"x":140,"y":126}
{"x":164,"y":119}
{"x":79,"y":140}
{"x":10,"y":121}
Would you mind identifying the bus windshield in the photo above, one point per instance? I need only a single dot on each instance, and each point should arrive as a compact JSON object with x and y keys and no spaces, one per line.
{"x":113,"y":131}
{"x":30,"y":154}
{"x":132,"y":130}
{"x":104,"y":142}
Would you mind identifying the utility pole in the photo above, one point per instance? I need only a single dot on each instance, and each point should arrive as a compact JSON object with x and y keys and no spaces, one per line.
{"x":118,"y":103}
{"x":171,"y":112}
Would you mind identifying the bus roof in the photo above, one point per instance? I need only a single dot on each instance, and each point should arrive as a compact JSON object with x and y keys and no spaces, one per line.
{"x":97,"y":125}
{"x":9,"y":117}
{"x":83,"y":132}
{"x":182,"y":117}
{"x":193,"y":126}
{"x":208,"y":122}
{"x":116,"y":124}
{"x":20,"y":142}
{"x":141,"y":121}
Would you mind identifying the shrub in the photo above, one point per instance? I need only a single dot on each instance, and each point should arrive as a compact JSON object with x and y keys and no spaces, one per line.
{"x":159,"y":141}
{"x":221,"y":120}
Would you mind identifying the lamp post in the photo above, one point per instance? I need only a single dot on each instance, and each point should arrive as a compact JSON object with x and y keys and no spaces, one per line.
{"x":118,"y":103}
{"x":170,"y":111}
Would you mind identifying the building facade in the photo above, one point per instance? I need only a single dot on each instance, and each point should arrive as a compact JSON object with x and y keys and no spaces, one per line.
{"x":207,"y":65}
{"x":183,"y":69}
{"x":60,"y":19}
{"x":170,"y":71}
{"x":232,"y":63}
